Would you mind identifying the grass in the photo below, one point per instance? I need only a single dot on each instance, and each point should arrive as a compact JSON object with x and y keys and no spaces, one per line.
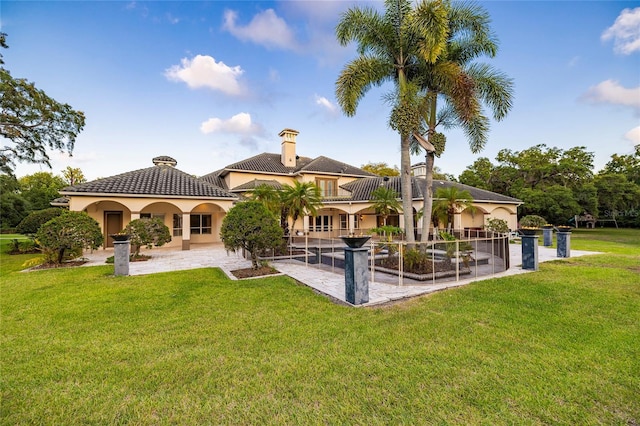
{"x":559,"y":346}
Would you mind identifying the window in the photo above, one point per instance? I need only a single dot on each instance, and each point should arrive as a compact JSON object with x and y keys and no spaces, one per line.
{"x":200,"y":224}
{"x":328,"y":187}
{"x":150,"y":215}
{"x":344,"y":221}
{"x":177,"y":225}
{"x":321,"y":223}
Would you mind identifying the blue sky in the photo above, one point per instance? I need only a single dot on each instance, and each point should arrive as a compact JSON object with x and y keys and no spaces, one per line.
{"x":211,"y":83}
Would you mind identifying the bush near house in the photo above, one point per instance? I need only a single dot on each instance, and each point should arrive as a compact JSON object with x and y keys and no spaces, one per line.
{"x":68,"y":234}
{"x":252,"y":227}
{"x":30,"y":224}
{"x":147,"y":232}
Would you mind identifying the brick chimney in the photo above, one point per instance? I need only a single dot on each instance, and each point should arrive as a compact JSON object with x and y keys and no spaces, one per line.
{"x":288,"y":155}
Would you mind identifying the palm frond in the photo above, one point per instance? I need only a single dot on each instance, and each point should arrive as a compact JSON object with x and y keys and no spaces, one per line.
{"x":357,"y":77}
{"x":494,"y":87}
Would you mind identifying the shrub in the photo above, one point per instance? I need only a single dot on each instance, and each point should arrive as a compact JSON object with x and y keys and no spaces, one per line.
{"x":250,"y":226}
{"x":147,"y":232}
{"x":30,"y":224}
{"x":497,"y":225}
{"x":533,"y":221}
{"x":68,"y":234}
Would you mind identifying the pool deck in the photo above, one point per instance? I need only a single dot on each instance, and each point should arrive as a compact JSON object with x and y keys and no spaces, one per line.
{"x":324,"y":280}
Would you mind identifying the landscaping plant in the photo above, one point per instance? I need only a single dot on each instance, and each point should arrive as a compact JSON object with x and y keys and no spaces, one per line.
{"x":147,"y":232}
{"x":250,"y":226}
{"x":68,"y":234}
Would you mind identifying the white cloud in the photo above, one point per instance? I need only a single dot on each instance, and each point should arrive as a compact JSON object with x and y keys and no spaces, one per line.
{"x":326,"y":105}
{"x":610,"y":91}
{"x":625,"y":32}
{"x":633,"y":135}
{"x":204,"y":71}
{"x":238,"y":124}
{"x":266,"y":29}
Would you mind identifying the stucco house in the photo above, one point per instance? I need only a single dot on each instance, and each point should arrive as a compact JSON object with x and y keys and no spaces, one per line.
{"x":193,"y":208}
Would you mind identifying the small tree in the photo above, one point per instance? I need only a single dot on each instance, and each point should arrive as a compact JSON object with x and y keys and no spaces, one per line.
{"x":147,"y":232}
{"x":30,"y":224}
{"x":251,"y":226}
{"x":385,"y":202}
{"x":497,"y":225}
{"x":533,"y":221}
{"x":68,"y":233}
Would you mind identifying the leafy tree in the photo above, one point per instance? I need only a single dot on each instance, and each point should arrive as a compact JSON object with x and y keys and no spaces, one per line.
{"x":73,"y":176}
{"x":301,"y":199}
{"x":381,"y":169}
{"x":556,"y":203}
{"x":618,"y":198}
{"x":451,"y":200}
{"x":391,"y":48}
{"x":40,"y":188}
{"x":479,"y":174}
{"x":251,"y":226}
{"x":68,"y":233}
{"x":13,"y":206}
{"x":385,"y":202}
{"x":466,"y":88}
{"x":147,"y":232}
{"x":30,"y":224}
{"x":31,"y":122}
{"x":628,"y":165}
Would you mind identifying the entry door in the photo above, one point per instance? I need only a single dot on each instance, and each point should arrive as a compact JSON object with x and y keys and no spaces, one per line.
{"x":113,"y":225}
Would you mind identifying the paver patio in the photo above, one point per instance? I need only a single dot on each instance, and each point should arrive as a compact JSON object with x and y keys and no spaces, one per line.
{"x":323,"y":280}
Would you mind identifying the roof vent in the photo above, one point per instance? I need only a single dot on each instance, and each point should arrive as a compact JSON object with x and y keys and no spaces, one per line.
{"x":164,"y":160}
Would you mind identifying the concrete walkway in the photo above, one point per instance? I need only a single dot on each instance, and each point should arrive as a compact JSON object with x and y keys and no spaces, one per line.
{"x":322,"y":280}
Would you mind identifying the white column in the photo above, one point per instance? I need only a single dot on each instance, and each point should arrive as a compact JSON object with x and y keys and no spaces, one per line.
{"x":352,"y":223}
{"x":305,"y":223}
{"x":135,"y":215}
{"x":186,"y":231}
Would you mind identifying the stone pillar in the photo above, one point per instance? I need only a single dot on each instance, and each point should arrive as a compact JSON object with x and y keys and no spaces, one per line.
{"x":547,"y":237}
{"x":356,"y":275}
{"x":121,"y":253}
{"x":564,"y":244}
{"x":352,"y":223}
{"x":186,"y":231}
{"x":530,"y":252}
{"x":135,"y":215}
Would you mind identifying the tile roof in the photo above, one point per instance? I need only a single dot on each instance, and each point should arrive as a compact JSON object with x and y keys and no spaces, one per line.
{"x":270,"y":163}
{"x":161,"y":180}
{"x":361,"y":189}
{"x":267,"y":163}
{"x":215,"y":179}
{"x":252,"y":184}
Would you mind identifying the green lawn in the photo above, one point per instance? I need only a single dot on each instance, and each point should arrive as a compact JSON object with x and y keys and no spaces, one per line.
{"x":559,"y":346}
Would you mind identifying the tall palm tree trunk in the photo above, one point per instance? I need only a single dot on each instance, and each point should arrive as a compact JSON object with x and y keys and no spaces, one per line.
{"x":430,"y":157}
{"x":405,"y":171}
{"x":427,"y":193}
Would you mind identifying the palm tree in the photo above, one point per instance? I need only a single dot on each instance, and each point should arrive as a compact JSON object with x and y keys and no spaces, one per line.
{"x":301,"y":199}
{"x":465,"y":87}
{"x":385,"y":202}
{"x":451,"y":200}
{"x":390,"y":48}
{"x":268,"y":196}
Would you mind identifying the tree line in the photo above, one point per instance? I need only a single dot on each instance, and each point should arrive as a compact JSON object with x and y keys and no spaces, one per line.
{"x":558,"y":184}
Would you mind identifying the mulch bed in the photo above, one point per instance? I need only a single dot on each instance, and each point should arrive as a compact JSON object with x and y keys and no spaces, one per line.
{"x":252,"y":273}
{"x":69,"y":264}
